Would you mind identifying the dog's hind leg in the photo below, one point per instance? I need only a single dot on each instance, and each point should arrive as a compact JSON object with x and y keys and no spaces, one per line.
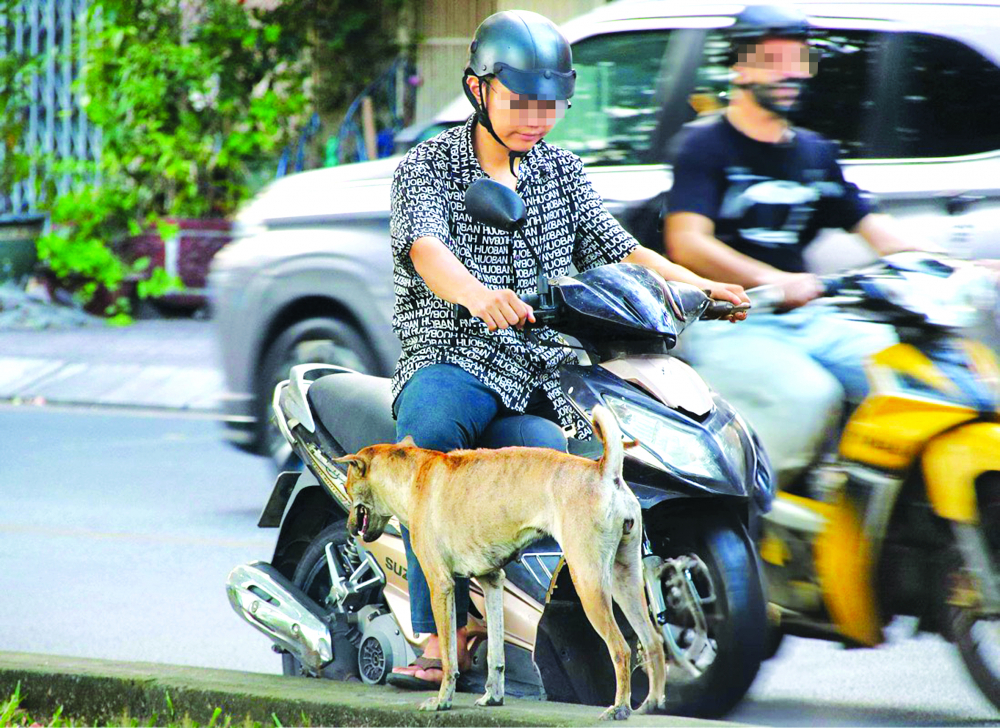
{"x":630,"y":595}
{"x":442,"y":588}
{"x":592,"y":580}
{"x":492,"y":585}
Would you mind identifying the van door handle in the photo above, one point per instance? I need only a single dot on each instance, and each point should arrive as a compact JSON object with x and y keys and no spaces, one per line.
{"x":957,"y":204}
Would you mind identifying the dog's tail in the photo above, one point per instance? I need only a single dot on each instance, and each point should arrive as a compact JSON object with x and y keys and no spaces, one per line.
{"x":609,"y":433}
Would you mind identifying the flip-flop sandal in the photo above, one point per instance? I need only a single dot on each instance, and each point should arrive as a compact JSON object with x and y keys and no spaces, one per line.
{"x":412,"y":682}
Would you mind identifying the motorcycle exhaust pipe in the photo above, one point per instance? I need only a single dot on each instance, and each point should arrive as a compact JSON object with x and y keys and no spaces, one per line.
{"x":271,"y":603}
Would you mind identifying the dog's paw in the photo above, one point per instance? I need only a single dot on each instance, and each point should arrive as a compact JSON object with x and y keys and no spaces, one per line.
{"x":433,"y":704}
{"x":650,"y":707}
{"x":487,"y":700}
{"x":617,"y":712}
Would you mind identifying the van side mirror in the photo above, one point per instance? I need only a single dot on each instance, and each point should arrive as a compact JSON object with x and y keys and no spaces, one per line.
{"x":495,"y":205}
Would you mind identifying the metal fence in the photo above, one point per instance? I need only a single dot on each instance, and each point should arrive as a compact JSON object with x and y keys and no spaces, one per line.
{"x":56,"y":127}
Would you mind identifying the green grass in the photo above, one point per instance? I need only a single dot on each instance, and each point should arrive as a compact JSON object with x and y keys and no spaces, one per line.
{"x":12,"y":714}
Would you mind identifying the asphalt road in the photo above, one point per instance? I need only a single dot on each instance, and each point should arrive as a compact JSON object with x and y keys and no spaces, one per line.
{"x":117,"y":532}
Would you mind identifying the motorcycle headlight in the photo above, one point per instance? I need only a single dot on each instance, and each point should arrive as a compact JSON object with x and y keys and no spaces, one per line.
{"x":682,"y":449}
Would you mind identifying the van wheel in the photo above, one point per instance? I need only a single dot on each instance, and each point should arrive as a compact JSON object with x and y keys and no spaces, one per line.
{"x":312,"y":341}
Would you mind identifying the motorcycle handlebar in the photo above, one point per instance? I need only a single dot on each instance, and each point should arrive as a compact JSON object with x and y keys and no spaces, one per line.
{"x":722,"y":310}
{"x":532,"y":299}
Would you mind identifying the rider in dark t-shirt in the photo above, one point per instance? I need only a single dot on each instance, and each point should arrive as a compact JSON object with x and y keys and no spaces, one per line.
{"x":750,"y":192}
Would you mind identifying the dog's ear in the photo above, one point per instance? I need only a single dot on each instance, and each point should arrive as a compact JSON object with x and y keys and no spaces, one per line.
{"x":407,"y":442}
{"x":357,"y":461}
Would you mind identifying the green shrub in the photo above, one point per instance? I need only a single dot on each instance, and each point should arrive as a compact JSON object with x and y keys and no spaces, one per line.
{"x":192,"y":99}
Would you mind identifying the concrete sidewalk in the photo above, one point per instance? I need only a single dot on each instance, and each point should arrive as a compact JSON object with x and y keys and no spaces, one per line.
{"x":169,"y":364}
{"x":99,"y":690}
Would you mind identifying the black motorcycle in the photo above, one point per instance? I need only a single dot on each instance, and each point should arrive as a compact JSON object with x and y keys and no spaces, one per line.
{"x":337,"y":608}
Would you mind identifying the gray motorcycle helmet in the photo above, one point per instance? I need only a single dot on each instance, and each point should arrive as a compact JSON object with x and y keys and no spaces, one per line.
{"x":528,"y":54}
{"x":761,"y":22}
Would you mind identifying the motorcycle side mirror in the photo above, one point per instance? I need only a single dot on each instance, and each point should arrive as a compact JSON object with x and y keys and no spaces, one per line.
{"x":495,"y":204}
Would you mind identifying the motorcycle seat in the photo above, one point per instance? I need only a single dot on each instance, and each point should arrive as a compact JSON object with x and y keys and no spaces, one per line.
{"x":356,"y":409}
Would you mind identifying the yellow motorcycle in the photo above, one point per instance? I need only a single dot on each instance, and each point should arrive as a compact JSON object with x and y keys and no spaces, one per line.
{"x":905,"y":518}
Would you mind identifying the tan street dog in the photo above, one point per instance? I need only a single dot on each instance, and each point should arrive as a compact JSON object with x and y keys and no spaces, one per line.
{"x":526,"y":493}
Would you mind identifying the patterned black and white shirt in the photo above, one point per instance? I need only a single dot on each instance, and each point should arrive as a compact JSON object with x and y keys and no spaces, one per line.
{"x":566,"y":223}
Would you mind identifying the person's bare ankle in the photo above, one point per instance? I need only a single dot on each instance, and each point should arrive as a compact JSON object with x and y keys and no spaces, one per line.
{"x":433,"y":647}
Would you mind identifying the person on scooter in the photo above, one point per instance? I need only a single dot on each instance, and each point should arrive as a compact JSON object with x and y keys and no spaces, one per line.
{"x":487,"y":381}
{"x":750,"y":192}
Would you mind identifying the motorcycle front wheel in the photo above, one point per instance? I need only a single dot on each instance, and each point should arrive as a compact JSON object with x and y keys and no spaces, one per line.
{"x":978,"y":635}
{"x":735,"y":616}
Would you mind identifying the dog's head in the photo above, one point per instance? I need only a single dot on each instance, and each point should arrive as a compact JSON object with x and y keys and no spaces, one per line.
{"x":373,"y":470}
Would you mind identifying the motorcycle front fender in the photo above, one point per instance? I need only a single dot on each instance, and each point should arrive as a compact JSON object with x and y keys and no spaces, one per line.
{"x":951,"y":464}
{"x":845,"y":566}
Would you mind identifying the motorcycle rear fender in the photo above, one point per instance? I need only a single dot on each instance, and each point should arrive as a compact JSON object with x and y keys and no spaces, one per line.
{"x":306,"y":510}
{"x":953,"y":461}
{"x":284,"y":488}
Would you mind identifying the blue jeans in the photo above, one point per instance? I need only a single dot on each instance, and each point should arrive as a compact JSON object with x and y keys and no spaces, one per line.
{"x":443,"y":407}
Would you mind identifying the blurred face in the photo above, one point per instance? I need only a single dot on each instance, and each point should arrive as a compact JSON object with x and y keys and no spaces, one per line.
{"x":518,"y":119}
{"x":781,"y":65}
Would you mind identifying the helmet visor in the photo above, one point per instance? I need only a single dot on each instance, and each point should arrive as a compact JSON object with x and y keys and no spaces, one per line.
{"x":541,"y":85}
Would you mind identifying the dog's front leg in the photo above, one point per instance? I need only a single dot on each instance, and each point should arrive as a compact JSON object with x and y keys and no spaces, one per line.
{"x":442,"y":588}
{"x":492,"y":585}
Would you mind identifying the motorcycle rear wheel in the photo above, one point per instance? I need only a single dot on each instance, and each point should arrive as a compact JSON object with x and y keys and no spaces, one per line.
{"x":737,"y":620}
{"x":312,"y":575}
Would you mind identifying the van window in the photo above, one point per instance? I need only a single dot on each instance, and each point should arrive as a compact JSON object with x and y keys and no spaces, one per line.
{"x":615,"y":109}
{"x":950,"y":101}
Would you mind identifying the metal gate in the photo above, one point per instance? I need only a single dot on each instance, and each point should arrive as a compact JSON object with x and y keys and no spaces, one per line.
{"x":55,"y":125}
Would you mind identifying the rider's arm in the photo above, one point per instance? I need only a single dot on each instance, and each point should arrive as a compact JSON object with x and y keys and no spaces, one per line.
{"x":690,"y":240}
{"x":419,"y":229}
{"x":882,"y":233}
{"x":445,"y":275}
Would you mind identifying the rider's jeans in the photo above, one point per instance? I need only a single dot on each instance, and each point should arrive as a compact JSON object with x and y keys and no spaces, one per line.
{"x":788,"y":374}
{"x":443,"y":407}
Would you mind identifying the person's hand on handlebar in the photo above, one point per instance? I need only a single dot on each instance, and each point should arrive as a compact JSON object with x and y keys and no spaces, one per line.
{"x":798,"y":289}
{"x":499,"y":309}
{"x":730,"y":292}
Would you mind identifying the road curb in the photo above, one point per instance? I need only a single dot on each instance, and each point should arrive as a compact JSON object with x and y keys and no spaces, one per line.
{"x":102,"y":690}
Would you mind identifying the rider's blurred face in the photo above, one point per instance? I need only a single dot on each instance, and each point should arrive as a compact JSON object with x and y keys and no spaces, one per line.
{"x":781,"y":63}
{"x":519,"y":120}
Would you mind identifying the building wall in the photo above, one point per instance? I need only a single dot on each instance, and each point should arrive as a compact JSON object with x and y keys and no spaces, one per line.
{"x":446,"y":28}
